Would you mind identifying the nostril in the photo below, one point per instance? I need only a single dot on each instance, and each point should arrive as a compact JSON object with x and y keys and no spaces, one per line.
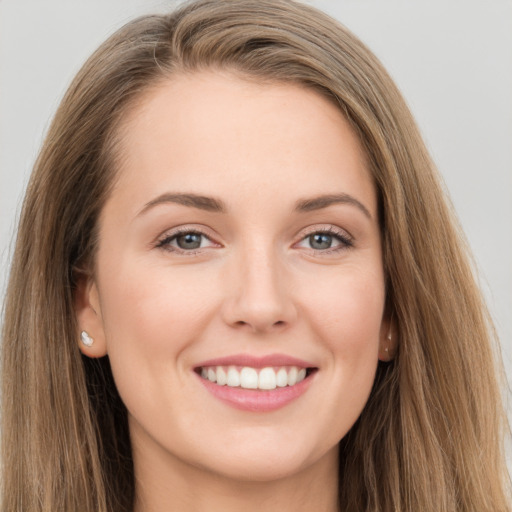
{"x":259,"y":325}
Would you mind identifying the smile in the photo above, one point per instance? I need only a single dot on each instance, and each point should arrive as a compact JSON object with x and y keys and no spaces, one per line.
{"x":256,"y":384}
{"x":246,"y":377}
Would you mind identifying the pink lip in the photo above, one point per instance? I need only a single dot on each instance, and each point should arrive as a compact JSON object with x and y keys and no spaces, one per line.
{"x":256,"y":362}
{"x":252,"y":399}
{"x":255,"y":400}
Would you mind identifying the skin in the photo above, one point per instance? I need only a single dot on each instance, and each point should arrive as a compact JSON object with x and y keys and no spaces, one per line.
{"x":257,"y":285}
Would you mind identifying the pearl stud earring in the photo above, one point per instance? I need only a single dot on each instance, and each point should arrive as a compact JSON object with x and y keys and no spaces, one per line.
{"x":389,"y":339}
{"x":86,"y":339}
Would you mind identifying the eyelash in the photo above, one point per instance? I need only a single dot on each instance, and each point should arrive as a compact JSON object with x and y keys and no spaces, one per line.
{"x":165,"y":242}
{"x":346,"y":242}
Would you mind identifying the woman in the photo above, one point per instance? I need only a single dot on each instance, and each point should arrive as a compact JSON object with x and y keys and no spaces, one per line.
{"x":237,"y":284}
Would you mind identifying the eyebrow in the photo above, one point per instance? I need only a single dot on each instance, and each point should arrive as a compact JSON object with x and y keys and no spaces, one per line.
{"x":209,"y":204}
{"x":212,"y":204}
{"x":319,"y":202}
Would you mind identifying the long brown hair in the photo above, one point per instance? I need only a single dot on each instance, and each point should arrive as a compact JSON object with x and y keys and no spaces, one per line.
{"x":430,"y":438}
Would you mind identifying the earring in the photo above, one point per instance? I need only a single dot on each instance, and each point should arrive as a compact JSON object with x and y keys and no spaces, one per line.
{"x":86,"y":339}
{"x":389,"y":339}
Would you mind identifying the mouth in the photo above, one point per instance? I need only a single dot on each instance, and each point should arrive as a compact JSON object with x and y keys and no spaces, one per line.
{"x":256,"y":384}
{"x":267,"y":378}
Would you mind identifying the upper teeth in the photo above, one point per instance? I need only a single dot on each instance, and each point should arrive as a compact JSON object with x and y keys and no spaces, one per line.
{"x":249,"y":378}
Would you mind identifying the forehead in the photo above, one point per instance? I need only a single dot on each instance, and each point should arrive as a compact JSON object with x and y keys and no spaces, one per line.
{"x":215,"y":131}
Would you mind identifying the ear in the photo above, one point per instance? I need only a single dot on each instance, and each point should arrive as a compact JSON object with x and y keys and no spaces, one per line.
{"x":388,"y":340}
{"x":89,"y":319}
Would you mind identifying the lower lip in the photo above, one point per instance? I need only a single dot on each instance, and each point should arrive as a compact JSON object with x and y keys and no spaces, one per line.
{"x":255,"y":400}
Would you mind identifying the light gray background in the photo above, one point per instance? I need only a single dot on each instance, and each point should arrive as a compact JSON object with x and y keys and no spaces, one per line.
{"x":451,"y":58}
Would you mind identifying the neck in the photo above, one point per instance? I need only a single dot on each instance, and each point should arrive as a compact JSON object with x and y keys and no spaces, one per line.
{"x":162,"y":486}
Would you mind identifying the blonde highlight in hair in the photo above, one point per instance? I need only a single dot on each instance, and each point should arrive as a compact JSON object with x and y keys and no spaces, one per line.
{"x":430,"y":438}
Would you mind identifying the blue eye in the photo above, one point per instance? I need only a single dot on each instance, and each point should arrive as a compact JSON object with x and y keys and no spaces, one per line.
{"x":189,"y":241}
{"x":185,"y":241}
{"x":330,"y":240}
{"x":320,"y":241}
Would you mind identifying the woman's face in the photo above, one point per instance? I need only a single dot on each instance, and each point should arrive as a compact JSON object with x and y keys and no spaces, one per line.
{"x":240,"y":244}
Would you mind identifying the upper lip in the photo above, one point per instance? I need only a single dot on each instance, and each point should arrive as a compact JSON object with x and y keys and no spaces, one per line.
{"x":257,"y":361}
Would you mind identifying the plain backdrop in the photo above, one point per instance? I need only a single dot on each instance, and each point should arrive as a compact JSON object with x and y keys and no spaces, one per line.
{"x":452,"y":59}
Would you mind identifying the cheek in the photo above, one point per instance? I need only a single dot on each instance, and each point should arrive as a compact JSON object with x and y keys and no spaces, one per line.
{"x":347,"y":314}
{"x":149,"y":312}
{"x":151,"y":317}
{"x":350,"y":303}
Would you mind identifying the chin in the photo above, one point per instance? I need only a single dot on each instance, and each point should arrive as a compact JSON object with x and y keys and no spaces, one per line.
{"x":269,"y":460}
{"x":261,"y":468}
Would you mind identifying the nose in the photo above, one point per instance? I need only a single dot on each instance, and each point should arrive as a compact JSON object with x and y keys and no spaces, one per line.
{"x":259,"y":296}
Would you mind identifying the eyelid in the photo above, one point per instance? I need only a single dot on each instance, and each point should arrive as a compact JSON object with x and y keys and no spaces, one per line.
{"x":345,"y":238}
{"x":325,"y":228}
{"x":171,"y":234}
